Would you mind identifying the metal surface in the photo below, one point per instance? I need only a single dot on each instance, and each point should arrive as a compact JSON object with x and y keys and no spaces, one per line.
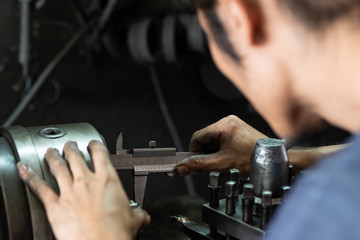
{"x":247,"y":219}
{"x":269,"y":167}
{"x":16,"y":211}
{"x":192,"y":229}
{"x":232,"y":224}
{"x":266,"y":205}
{"x":214,"y":188}
{"x":235,"y":176}
{"x":29,"y":147}
{"x":25,"y":152}
{"x":231,"y":195}
{"x":144,"y":161}
{"x":248,"y":203}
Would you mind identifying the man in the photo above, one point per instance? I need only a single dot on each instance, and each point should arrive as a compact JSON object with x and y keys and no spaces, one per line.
{"x":296,"y":61}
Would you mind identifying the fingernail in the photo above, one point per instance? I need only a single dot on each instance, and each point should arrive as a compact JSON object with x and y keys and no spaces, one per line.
{"x":22,"y":168}
{"x":182,"y":170}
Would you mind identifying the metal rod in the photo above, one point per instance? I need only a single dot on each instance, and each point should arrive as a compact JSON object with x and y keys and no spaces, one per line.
{"x":45,"y":74}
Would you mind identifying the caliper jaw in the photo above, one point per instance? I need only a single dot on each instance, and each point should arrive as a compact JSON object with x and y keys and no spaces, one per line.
{"x":144,"y":161}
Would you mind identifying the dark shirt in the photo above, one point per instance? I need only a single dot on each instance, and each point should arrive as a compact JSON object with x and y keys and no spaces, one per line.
{"x":324,"y":202}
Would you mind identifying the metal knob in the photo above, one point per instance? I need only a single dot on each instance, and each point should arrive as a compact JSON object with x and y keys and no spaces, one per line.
{"x":269,"y":167}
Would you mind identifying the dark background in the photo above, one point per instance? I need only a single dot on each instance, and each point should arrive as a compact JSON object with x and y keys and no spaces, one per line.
{"x":115,"y":94}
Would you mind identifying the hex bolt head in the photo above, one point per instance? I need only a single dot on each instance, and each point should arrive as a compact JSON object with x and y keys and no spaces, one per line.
{"x":266,"y":199}
{"x":152,"y":144}
{"x":231,"y":189}
{"x":248,"y":191}
{"x":214,"y":179}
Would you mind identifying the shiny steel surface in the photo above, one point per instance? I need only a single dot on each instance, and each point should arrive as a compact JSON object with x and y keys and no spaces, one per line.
{"x":269,"y":167}
{"x":29,"y":146}
{"x":16,"y":211}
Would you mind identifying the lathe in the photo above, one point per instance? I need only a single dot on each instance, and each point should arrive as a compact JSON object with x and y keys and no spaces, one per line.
{"x":22,"y":215}
{"x":243,"y":214}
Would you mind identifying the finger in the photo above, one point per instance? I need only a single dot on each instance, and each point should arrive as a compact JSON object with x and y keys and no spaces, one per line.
{"x":142,"y":217}
{"x":101,"y":159}
{"x":206,"y":140}
{"x":75,"y":159}
{"x":37,"y":186}
{"x":203,"y":163}
{"x":59,"y":169}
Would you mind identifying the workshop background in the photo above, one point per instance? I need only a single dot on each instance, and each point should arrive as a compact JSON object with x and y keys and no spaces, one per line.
{"x":140,"y":67}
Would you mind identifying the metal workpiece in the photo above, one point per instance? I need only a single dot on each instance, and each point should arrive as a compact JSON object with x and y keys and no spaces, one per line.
{"x":235,"y":176}
{"x":269,"y":167}
{"x":266,"y":205}
{"x":248,"y":203}
{"x":231,"y":194}
{"x":214,"y":186}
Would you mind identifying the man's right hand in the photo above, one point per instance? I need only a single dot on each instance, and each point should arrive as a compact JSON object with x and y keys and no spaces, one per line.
{"x":229,"y":144}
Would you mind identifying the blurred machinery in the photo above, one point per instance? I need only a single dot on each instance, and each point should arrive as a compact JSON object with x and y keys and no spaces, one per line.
{"x":21,"y":214}
{"x":248,"y":204}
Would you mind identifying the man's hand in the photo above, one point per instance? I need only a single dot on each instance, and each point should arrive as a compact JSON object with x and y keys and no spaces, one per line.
{"x":90,"y":205}
{"x":229,"y":143}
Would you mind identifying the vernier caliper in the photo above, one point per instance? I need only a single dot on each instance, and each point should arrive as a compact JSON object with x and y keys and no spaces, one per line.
{"x":144,"y":161}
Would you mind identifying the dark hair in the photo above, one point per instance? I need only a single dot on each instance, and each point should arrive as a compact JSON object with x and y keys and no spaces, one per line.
{"x":218,"y":31}
{"x":315,"y":14}
{"x":318,"y":14}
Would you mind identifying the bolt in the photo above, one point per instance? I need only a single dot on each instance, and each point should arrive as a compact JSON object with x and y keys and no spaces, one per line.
{"x":230,"y":193}
{"x":235,"y":176}
{"x":248,"y":203}
{"x":266,"y":203}
{"x":285,"y":190}
{"x":214,"y":187}
{"x":248,"y":191}
{"x":214,"y":179}
{"x":152,"y":144}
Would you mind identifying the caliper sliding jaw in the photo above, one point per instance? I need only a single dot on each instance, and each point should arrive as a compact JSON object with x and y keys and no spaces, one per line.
{"x":144,"y":161}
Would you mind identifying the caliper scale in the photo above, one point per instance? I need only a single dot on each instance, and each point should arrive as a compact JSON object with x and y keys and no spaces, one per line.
{"x":144,"y":161}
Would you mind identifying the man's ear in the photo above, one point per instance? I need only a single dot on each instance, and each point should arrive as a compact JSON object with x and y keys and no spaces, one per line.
{"x":247,"y":19}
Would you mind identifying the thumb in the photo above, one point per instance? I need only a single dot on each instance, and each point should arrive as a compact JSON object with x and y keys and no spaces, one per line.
{"x":201,"y":163}
{"x":142,"y":217}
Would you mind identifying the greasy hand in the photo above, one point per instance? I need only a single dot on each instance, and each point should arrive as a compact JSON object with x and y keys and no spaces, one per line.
{"x":90,"y":205}
{"x":229,"y":143}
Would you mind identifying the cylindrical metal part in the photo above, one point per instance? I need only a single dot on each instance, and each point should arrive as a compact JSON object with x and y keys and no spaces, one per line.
{"x":28,"y":146}
{"x":214,"y":187}
{"x":235,"y":176}
{"x":269,"y":167}
{"x":266,"y":205}
{"x":248,"y":203}
{"x":230,"y":193}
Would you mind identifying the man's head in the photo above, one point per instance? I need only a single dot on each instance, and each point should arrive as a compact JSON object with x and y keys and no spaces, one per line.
{"x":284,"y":55}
